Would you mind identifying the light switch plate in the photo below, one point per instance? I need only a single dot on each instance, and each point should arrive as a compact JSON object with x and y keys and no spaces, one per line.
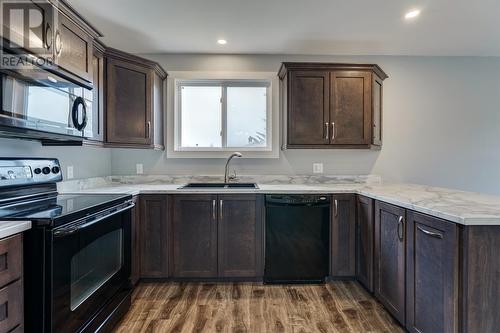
{"x":139,"y":168}
{"x":69,"y":174}
{"x":317,"y":167}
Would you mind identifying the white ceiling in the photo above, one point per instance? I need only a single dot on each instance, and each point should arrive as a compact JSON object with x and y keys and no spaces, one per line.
{"x":354,"y":27}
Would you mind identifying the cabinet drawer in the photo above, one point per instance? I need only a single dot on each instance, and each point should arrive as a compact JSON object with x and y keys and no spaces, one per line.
{"x":11,"y":306}
{"x":11,"y":259}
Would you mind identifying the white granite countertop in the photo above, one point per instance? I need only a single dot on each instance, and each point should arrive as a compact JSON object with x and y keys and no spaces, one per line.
{"x":9,"y":228}
{"x":461,"y":207}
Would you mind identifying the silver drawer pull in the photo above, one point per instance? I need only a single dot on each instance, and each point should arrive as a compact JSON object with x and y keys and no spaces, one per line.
{"x":401,"y":228}
{"x":221,"y":208}
{"x":213,"y":210}
{"x":430,"y":233}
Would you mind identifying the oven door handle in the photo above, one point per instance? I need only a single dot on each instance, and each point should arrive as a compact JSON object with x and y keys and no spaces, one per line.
{"x":76,"y":228}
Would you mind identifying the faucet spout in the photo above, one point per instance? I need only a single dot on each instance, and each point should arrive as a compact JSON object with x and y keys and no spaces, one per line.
{"x":226,"y":170}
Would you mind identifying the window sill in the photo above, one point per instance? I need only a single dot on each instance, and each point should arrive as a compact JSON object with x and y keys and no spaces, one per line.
{"x":222,"y":153}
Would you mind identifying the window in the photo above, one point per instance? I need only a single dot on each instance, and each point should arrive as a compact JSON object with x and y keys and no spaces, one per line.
{"x":220,"y":115}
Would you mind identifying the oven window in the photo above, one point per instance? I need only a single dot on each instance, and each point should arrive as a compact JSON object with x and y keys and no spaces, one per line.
{"x":94,"y":265}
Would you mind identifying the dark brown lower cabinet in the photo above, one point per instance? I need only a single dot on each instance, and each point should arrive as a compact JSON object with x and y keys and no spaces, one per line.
{"x":390,"y":263}
{"x":432,"y":274}
{"x":343,"y":236}
{"x":11,"y":284}
{"x":153,"y":236}
{"x":135,"y":272}
{"x":217,"y":236}
{"x":240,"y":232}
{"x":194,"y":236}
{"x":480,"y":268}
{"x":364,"y":242}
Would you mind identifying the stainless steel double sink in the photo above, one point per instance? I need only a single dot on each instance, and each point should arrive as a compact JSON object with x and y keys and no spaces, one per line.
{"x":220,"y":186}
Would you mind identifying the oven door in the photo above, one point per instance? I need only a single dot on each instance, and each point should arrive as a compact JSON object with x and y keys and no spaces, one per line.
{"x":91,"y":262}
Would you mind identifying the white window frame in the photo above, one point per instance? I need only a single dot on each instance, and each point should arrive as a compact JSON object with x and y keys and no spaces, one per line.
{"x":177,"y":79}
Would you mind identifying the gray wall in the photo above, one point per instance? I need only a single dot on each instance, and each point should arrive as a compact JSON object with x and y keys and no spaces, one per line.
{"x":441,"y":124}
{"x":87,"y":162}
{"x":441,"y":127}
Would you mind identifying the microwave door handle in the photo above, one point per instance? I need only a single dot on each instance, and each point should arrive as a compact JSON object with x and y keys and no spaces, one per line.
{"x":79,"y":101}
{"x":73,"y":229}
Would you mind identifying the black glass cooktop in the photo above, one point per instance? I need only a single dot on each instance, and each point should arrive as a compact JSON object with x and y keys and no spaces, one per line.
{"x":60,"y":206}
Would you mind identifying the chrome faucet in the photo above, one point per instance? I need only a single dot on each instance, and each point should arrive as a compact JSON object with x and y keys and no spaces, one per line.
{"x":226,"y":170}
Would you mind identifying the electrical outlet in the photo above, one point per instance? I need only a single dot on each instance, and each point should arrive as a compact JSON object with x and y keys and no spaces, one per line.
{"x":139,"y":168}
{"x":317,"y":167}
{"x":69,"y":174}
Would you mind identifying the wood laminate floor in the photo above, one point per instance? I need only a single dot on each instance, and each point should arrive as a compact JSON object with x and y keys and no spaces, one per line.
{"x":338,"y":306}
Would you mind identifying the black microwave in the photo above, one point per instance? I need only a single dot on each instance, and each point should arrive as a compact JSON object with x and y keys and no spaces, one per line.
{"x":39,"y":104}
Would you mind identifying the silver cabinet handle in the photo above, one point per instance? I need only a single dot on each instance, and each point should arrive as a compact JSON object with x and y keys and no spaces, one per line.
{"x":336,"y":207}
{"x":148,"y":127}
{"x":327,"y":136}
{"x":401,"y":228}
{"x":48,"y":37}
{"x":58,"y":43}
{"x":221,"y":206}
{"x":213,"y":210}
{"x":333,"y":130}
{"x":430,"y":233}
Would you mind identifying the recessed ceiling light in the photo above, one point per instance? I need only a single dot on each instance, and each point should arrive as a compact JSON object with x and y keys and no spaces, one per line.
{"x":222,"y":42}
{"x":412,"y":14}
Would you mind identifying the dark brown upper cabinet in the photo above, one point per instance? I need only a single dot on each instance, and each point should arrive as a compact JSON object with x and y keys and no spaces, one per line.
{"x":40,"y":39}
{"x":309,"y":107}
{"x":134,"y":104}
{"x":98,"y":96}
{"x":64,"y":37}
{"x":432,"y":274}
{"x":364,"y":242}
{"x":331,"y":105}
{"x":73,"y":48}
{"x":390,"y":258}
{"x":343,"y":236}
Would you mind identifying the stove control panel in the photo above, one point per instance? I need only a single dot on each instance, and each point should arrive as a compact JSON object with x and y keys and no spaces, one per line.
{"x":16,"y":171}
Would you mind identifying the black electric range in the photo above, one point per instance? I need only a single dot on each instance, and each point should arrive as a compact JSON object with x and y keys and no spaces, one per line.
{"x":77,"y":254}
{"x":59,"y":209}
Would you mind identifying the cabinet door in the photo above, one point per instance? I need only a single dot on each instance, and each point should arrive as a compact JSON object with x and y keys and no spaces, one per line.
{"x":432,"y":274}
{"x":364,"y":243}
{"x":73,"y":48}
{"x":98,"y":97}
{"x":390,"y":258}
{"x":135,"y":272}
{"x":350,"y":111}
{"x":194,"y":236}
{"x":377,"y":111}
{"x":308,"y":106}
{"x":39,"y":39}
{"x":128,"y":109}
{"x":343,"y":236}
{"x":154,"y":236}
{"x":240,"y":236}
